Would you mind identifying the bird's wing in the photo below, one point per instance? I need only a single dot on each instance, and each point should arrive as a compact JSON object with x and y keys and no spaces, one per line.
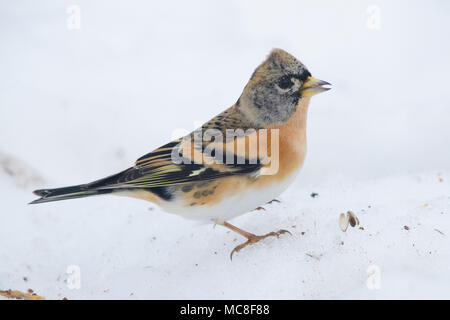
{"x":158,"y":167}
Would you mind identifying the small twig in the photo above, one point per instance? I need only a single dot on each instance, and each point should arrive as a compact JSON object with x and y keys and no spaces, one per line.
{"x":16,"y":294}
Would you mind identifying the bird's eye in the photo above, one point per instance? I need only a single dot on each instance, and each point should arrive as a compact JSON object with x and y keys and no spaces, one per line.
{"x":285,"y":82}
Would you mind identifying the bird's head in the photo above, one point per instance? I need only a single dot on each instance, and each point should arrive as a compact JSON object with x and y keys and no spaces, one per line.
{"x":275,"y":88}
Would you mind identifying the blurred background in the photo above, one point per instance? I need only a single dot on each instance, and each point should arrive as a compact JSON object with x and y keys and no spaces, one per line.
{"x":87,"y":87}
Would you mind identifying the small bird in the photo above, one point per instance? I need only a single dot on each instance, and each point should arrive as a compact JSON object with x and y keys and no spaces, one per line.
{"x":242,"y":158}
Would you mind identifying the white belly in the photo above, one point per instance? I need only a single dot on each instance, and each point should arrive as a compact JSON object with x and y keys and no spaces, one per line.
{"x":231,"y":206}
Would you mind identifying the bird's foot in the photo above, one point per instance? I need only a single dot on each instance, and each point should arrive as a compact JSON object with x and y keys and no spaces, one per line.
{"x":252,"y":239}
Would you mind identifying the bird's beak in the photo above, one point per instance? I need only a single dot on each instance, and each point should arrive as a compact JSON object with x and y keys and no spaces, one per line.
{"x":313,"y":86}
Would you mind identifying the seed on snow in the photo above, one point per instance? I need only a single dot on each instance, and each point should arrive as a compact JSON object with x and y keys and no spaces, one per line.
{"x":352,"y":218}
{"x":343,"y":222}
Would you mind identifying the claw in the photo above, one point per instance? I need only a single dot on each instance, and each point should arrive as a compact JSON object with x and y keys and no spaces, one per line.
{"x":285,"y":231}
{"x":252,"y":239}
{"x":238,"y":248}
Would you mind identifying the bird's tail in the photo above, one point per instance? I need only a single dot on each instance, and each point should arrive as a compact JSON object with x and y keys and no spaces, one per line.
{"x":103,"y":186}
{"x":73,"y":192}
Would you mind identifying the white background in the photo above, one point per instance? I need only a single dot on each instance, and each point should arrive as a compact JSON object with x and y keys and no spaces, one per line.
{"x":77,"y":105}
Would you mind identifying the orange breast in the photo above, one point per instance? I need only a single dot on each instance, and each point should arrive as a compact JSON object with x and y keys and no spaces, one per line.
{"x":292,"y":145}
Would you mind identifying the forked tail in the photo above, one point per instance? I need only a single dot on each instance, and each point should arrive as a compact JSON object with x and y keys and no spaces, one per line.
{"x":102,"y":186}
{"x":73,"y":192}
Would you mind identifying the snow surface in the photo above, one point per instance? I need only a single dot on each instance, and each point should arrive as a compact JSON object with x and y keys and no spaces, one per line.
{"x":82,"y":104}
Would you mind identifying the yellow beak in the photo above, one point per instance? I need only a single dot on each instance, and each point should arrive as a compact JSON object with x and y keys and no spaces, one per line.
{"x":313,"y":86}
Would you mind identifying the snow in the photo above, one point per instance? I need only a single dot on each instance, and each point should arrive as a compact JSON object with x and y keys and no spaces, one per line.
{"x":78,"y":105}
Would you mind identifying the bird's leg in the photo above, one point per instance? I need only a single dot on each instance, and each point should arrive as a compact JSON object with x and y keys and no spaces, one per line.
{"x":251,"y":238}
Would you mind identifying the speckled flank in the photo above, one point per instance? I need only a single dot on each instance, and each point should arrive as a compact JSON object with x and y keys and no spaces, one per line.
{"x":197,"y":193}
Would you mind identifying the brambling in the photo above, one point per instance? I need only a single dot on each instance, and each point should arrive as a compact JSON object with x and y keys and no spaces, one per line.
{"x":215,"y":180}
